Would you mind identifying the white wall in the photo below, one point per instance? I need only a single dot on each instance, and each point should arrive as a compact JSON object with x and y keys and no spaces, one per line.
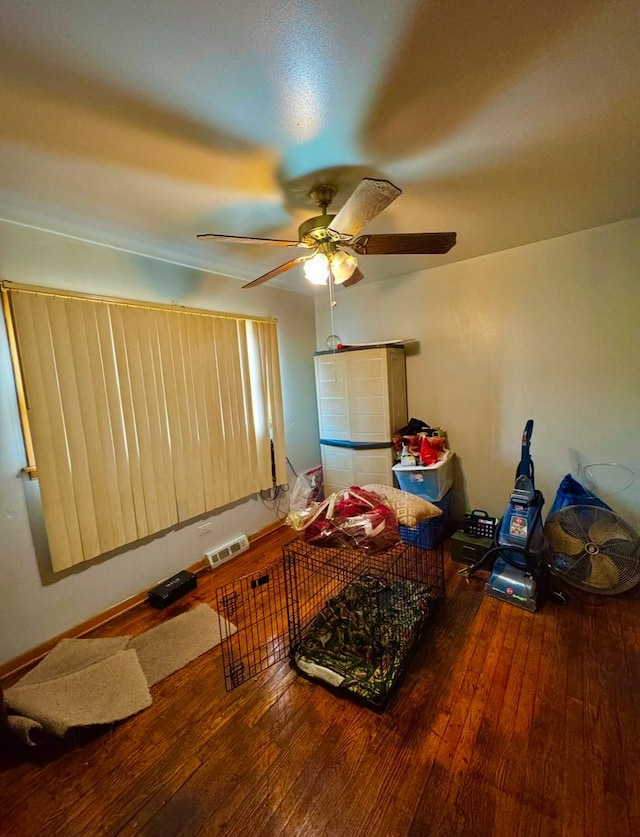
{"x":549,"y":331}
{"x":37,"y":604}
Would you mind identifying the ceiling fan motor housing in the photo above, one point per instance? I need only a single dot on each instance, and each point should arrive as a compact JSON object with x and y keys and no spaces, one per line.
{"x":323,"y":195}
{"x":314,"y":230}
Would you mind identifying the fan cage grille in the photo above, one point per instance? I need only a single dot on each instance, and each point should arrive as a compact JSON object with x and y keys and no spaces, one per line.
{"x":593,"y":549}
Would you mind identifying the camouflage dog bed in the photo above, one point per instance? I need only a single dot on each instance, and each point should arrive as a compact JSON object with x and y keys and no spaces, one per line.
{"x":362,"y":637}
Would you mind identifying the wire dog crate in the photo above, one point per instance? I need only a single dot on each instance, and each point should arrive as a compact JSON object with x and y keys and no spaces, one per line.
{"x":346,"y":617}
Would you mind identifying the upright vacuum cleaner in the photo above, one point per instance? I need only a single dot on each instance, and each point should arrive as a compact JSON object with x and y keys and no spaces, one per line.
{"x":518,"y":574}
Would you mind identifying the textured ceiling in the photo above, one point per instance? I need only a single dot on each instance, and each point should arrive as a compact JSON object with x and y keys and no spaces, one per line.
{"x":140,"y":123}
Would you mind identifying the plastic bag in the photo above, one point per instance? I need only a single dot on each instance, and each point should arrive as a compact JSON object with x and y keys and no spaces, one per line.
{"x":307,"y":489}
{"x":353,"y":518}
{"x":571,"y":493}
{"x":298,"y":519}
{"x":301,"y":493}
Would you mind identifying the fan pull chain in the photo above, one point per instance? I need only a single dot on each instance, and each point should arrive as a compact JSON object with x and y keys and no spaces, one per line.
{"x":332,"y":302}
{"x":332,"y":305}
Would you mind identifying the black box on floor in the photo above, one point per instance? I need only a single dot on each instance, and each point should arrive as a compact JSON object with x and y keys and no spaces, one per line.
{"x":467,"y":549}
{"x":171,"y":589}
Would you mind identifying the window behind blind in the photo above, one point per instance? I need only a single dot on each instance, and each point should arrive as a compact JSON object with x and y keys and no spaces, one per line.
{"x":142,"y":416}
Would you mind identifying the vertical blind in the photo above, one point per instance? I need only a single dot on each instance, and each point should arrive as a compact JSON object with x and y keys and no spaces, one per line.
{"x":143,"y":416}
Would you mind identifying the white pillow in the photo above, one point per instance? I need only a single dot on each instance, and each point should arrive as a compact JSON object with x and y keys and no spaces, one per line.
{"x":409,"y":509}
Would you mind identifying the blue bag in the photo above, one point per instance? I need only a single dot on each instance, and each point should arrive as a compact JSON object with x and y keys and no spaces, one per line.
{"x":571,"y":493}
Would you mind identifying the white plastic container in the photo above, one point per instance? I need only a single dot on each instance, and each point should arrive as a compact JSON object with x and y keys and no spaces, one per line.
{"x":431,"y":482}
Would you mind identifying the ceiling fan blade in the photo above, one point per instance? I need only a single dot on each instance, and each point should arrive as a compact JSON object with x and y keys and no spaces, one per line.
{"x":369,"y":199}
{"x":355,"y":277}
{"x":242,"y":239}
{"x":403,"y":243}
{"x":275,"y":272}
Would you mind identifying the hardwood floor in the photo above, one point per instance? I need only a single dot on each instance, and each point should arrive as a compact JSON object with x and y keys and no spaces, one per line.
{"x":506,"y":723}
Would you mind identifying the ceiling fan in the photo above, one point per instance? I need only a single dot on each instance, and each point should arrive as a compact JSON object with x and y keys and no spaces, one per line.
{"x":331,"y":237}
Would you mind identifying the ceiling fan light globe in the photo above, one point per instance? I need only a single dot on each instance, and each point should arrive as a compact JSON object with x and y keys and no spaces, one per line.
{"x":316,"y":269}
{"x":342,"y":266}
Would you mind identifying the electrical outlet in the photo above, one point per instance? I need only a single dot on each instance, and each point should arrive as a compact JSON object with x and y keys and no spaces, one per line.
{"x":205,"y":528}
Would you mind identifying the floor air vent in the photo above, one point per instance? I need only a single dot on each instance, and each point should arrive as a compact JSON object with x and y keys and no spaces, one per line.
{"x":220,"y":554}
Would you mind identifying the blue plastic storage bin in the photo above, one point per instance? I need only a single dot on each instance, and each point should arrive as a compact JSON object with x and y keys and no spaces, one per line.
{"x":431,"y":482}
{"x":430,"y":532}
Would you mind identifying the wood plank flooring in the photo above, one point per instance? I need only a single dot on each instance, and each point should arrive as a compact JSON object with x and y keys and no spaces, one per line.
{"x":506,"y":723}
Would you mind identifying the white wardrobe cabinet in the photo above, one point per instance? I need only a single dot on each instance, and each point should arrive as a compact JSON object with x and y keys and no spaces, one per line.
{"x":362,"y":401}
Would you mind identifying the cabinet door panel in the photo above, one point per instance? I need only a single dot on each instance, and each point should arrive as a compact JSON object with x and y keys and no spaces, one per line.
{"x":361,"y":395}
{"x":337,"y":469}
{"x":344,"y":467}
{"x":373,"y":466}
{"x":367,"y":383}
{"x":332,"y":397}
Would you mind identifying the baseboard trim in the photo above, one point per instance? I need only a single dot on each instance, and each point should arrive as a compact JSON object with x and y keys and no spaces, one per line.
{"x":268,"y":530}
{"x":14,"y":667}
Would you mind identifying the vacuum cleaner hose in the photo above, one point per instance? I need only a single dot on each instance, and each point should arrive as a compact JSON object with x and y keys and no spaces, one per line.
{"x":504,"y":553}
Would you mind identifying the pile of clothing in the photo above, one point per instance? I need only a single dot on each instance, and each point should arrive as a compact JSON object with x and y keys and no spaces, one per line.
{"x":364,"y":517}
